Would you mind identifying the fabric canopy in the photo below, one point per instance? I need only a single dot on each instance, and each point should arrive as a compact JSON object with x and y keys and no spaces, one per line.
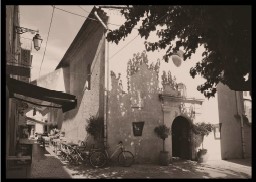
{"x":66,"y":101}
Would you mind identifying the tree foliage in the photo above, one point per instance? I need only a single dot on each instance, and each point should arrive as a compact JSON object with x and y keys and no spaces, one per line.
{"x":202,"y":128}
{"x":224,"y":31}
{"x":95,"y":126}
{"x":162,"y":131}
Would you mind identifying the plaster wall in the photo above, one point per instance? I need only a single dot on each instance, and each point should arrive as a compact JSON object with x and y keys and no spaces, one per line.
{"x":53,"y":81}
{"x":75,"y":79}
{"x":231,"y":140}
{"x":39,"y":128}
{"x":140,"y":104}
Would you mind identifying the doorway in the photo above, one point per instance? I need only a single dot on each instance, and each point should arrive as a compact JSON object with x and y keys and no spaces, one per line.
{"x":181,"y":145}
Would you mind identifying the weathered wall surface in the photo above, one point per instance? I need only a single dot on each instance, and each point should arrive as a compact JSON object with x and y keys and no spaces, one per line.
{"x":85,"y":69}
{"x":53,"y":81}
{"x":248,"y":140}
{"x":140,"y":104}
{"x":89,"y":101}
{"x":231,"y":140}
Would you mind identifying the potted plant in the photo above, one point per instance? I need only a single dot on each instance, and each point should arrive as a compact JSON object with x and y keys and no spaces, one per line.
{"x":202,"y":129}
{"x":162,"y":131}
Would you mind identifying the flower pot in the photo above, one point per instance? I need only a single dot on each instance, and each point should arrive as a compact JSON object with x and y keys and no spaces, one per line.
{"x":164,"y":158}
{"x":202,"y":156}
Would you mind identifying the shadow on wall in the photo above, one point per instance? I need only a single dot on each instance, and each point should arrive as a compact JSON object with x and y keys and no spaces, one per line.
{"x":140,"y":104}
{"x":76,"y":74}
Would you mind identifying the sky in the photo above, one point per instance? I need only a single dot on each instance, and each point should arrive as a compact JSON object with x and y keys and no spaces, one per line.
{"x":64,"y":28}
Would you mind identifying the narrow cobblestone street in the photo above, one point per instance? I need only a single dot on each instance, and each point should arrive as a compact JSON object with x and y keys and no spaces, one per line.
{"x":47,"y":165}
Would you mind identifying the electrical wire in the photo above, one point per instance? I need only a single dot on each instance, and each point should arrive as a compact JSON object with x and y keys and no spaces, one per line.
{"x":97,"y":21}
{"x":83,"y":9}
{"x":134,"y":38}
{"x":76,"y":14}
{"x":124,"y":46}
{"x":47,"y":40}
{"x":87,"y":17}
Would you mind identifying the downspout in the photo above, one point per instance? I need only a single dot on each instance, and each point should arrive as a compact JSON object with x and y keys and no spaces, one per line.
{"x":106,"y":92}
{"x":242,"y":126}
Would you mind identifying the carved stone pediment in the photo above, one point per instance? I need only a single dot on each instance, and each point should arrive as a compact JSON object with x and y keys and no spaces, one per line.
{"x":170,"y":90}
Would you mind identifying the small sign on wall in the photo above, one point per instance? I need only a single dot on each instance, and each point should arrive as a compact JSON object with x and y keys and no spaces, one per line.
{"x":217,"y":131}
{"x":137,"y":128}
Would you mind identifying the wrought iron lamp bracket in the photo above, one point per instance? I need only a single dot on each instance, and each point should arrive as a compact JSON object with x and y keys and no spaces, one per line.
{"x":21,"y":30}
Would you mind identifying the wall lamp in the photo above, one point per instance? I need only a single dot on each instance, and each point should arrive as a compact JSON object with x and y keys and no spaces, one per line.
{"x":37,"y":40}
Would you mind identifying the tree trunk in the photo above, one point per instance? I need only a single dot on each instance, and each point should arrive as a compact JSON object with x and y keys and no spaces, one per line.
{"x":202,"y":141}
{"x":163,"y":145}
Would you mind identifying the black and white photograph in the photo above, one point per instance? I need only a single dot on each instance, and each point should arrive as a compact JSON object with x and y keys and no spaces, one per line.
{"x":127,"y":91}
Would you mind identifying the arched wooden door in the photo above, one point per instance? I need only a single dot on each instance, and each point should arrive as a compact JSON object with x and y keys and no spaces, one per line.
{"x":181,"y":138}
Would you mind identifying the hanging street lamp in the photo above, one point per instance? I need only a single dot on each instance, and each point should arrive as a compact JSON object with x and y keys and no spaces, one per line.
{"x":37,"y":40}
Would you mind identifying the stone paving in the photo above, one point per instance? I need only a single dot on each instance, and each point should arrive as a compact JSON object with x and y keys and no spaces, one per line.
{"x":47,"y":165}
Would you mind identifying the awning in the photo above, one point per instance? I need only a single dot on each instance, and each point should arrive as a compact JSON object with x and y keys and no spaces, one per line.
{"x":18,"y":70}
{"x":66,"y":101}
{"x":34,"y":121}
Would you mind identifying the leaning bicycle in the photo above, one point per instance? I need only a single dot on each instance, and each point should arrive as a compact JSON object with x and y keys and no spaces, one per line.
{"x":100,"y":158}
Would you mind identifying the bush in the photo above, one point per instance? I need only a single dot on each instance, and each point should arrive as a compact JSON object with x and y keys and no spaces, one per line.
{"x":202,"y":128}
{"x":95,"y":126}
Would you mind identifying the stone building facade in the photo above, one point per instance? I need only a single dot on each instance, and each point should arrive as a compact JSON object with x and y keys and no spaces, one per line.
{"x":81,"y":72}
{"x":130,"y":116}
{"x":153,"y":98}
{"x":235,"y":119}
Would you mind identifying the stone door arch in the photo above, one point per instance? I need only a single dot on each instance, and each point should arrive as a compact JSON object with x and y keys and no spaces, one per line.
{"x":181,"y":138}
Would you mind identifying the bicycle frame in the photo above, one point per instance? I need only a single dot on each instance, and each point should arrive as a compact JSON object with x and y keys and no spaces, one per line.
{"x":119,"y":146}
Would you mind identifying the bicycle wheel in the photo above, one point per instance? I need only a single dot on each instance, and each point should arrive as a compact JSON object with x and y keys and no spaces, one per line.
{"x":75,"y":159}
{"x":98,"y":159}
{"x":125,"y":158}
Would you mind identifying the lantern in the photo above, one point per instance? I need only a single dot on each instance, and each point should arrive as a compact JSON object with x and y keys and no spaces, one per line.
{"x":37,"y":41}
{"x":177,"y":58}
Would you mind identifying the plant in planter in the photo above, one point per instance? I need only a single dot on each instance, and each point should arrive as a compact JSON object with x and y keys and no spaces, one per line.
{"x":162,"y":131}
{"x":202,"y":129}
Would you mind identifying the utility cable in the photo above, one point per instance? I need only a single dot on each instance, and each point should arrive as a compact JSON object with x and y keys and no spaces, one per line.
{"x":124,"y":46}
{"x":47,"y":40}
{"x":134,"y":38}
{"x":76,"y":14}
{"x":86,"y":16}
{"x":84,"y":9}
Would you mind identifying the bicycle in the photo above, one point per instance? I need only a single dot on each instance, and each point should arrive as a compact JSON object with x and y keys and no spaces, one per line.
{"x":66,"y":152}
{"x":80,"y":153}
{"x":100,"y":158}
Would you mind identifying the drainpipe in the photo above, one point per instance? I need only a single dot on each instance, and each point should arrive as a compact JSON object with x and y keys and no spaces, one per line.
{"x":242,"y":125}
{"x":106,"y":84}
